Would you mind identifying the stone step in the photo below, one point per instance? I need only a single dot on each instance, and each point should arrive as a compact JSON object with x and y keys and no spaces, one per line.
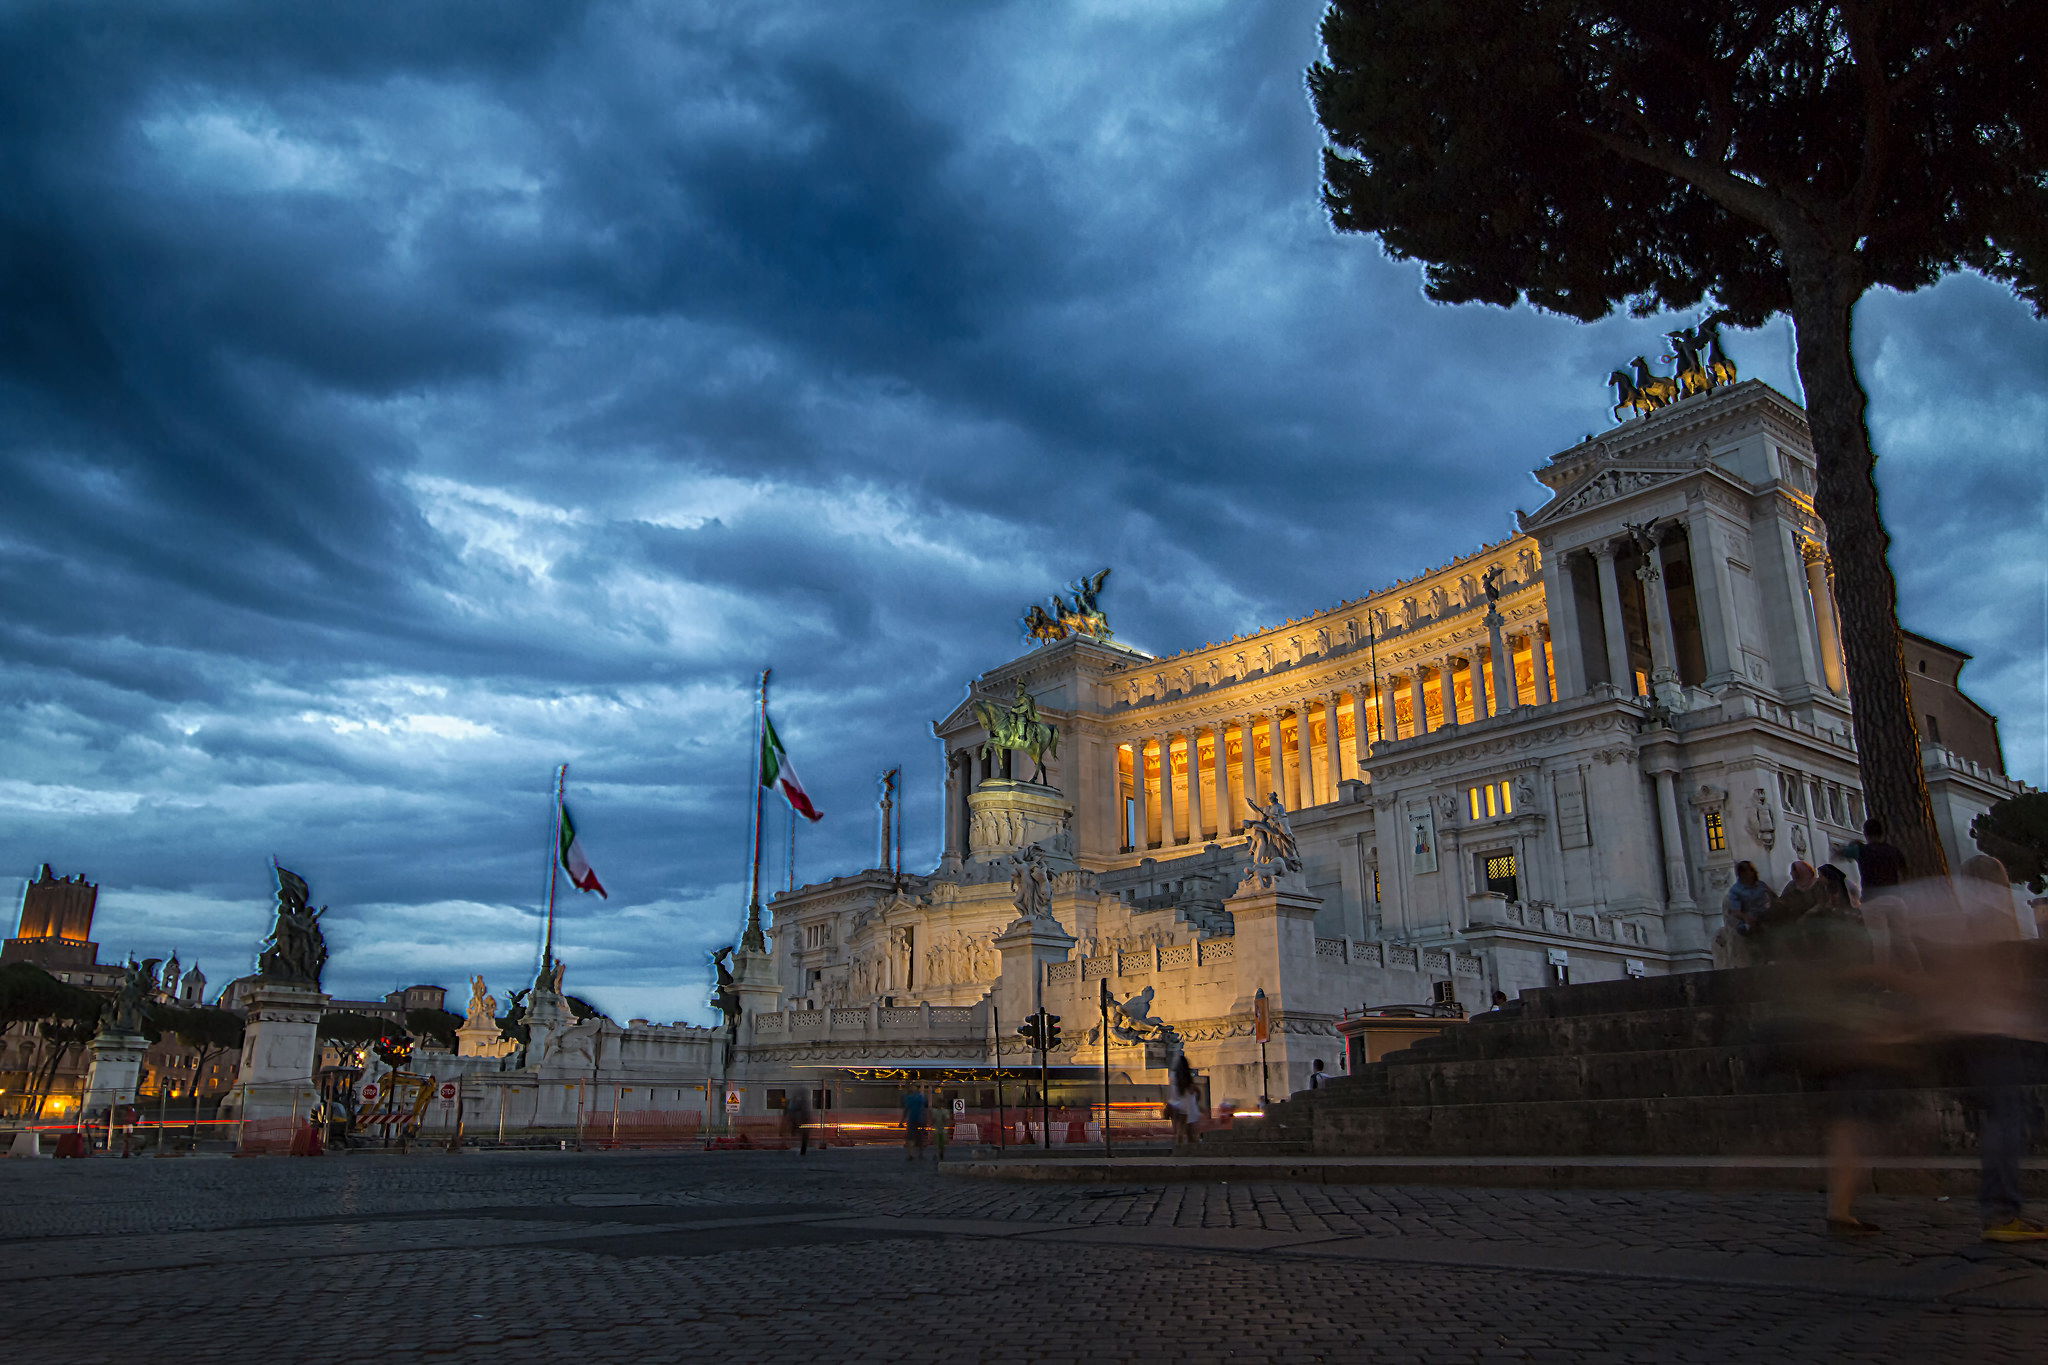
{"x":1905,"y":1121}
{"x":1952,"y":1176}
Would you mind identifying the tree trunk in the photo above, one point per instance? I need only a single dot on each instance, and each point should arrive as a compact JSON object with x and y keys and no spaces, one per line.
{"x":1824,"y":294}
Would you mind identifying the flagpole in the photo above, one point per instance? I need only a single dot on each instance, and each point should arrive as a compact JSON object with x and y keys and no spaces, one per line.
{"x":547,"y":951}
{"x":752,"y":940}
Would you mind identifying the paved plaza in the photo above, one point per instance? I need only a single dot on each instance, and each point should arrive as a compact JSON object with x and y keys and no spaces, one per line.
{"x":856,"y":1256}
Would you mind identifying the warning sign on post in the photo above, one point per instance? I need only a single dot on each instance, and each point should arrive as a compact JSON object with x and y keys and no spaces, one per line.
{"x":732,"y":1099}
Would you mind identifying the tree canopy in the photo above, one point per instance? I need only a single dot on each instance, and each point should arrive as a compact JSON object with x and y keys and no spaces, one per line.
{"x":439,"y":1025}
{"x":346,"y":1026}
{"x":2015,"y":831}
{"x":1772,"y":157}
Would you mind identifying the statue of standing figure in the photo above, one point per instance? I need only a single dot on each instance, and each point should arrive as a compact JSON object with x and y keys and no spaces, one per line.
{"x":296,"y":951}
{"x":131,"y":999}
{"x":483,"y":1007}
{"x":1270,"y":845}
{"x":1031,"y":884}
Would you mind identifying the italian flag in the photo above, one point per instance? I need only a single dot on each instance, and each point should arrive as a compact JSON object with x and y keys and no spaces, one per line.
{"x":574,"y":863}
{"x":776,"y":773}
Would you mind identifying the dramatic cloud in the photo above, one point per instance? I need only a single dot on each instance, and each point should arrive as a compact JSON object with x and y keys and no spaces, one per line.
{"x":402,"y":400}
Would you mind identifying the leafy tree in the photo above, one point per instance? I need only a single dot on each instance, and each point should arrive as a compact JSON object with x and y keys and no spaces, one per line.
{"x":1772,"y":155}
{"x":64,"y":1016}
{"x":2015,"y":831}
{"x":209,"y":1032}
{"x":439,"y":1025}
{"x":352,"y":1029}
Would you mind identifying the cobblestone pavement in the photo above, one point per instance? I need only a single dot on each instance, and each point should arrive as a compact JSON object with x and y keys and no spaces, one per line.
{"x":854,"y":1256}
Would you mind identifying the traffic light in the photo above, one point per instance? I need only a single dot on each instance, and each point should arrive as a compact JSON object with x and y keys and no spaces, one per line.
{"x":1029,"y":1031}
{"x":394,"y":1050}
{"x":1049,"y":1025}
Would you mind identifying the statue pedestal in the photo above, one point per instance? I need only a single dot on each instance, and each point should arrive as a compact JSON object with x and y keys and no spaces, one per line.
{"x":754,"y":987}
{"x":116,"y":1067}
{"x":1005,"y":816}
{"x":1027,"y":945}
{"x":547,"y":1018}
{"x":280,"y":1050}
{"x":482,"y":1039}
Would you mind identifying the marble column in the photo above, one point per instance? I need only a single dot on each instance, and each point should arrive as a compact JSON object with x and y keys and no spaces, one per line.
{"x":1141,"y":819}
{"x":1539,"y":663}
{"x":1226,"y":808}
{"x":1169,"y":817}
{"x":1713,"y":592}
{"x":1677,"y":881}
{"x":1305,"y":763}
{"x":1618,"y":671}
{"x":1823,"y":614}
{"x":1657,"y":610}
{"x":1561,"y":596}
{"x":1335,"y":747}
{"x":1390,"y":720}
{"x":1248,"y":765}
{"x":1276,"y":761}
{"x":1197,"y":827}
{"x":956,"y":807}
{"x":1507,"y":694}
{"x":1417,"y":703}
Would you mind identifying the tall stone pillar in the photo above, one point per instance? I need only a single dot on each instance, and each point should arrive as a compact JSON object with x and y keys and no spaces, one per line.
{"x":1561,"y":597}
{"x":1657,"y":607}
{"x":1226,"y":807}
{"x":1248,"y":765}
{"x":1141,"y":797}
{"x":1612,"y":630}
{"x":1713,"y":588}
{"x":1197,"y":826}
{"x":1335,"y":746}
{"x":956,"y":810}
{"x":1677,"y":879}
{"x":1304,"y":755}
{"x":1276,"y":760}
{"x":1390,"y":720}
{"x":1816,"y":560}
{"x":755,"y":986}
{"x":1508,"y":693}
{"x":1539,"y":663}
{"x":1169,"y":816}
{"x":1418,"y":705}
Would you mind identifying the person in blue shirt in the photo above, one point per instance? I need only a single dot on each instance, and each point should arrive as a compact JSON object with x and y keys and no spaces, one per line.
{"x":1749,"y":901}
{"x":916,"y":1110}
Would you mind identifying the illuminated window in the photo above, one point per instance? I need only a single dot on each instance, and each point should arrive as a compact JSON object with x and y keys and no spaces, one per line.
{"x":1492,"y":800}
{"x":1497,"y":871}
{"x":1717,"y":834}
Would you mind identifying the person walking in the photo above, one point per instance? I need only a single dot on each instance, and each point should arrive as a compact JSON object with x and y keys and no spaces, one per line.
{"x":1184,"y":1106}
{"x":1989,"y":1022}
{"x":796,"y":1119}
{"x":916,"y":1127}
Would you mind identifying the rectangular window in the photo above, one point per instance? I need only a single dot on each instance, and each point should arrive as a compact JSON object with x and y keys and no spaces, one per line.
{"x":1498,"y":874}
{"x":1933,"y":729}
{"x":1507,"y":798}
{"x":1473,"y":796}
{"x":1717,"y":833}
{"x":1490,"y":810}
{"x":1493,"y":799}
{"x":778,"y":1099}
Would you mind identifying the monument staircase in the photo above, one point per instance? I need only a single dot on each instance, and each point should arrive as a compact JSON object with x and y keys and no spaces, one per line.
{"x":1672,"y":1066}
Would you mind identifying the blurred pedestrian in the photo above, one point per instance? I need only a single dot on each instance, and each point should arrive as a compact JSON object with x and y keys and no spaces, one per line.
{"x":1988,"y":1016}
{"x":1880,"y":865}
{"x":796,"y":1118}
{"x":1743,"y":913}
{"x":1184,"y":1106}
{"x":916,"y":1127}
{"x":1317,"y":1077}
{"x":1842,"y":1024}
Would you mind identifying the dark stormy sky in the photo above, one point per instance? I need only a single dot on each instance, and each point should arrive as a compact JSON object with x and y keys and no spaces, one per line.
{"x":401,"y":399}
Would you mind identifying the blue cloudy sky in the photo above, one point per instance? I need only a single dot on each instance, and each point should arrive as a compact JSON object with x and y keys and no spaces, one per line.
{"x":401,"y":399}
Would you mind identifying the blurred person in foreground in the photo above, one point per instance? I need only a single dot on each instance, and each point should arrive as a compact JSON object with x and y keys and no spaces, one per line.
{"x":796,"y":1119}
{"x":1184,"y":1107}
{"x":1845,"y":1024}
{"x":1981,"y":983}
{"x":916,"y":1110}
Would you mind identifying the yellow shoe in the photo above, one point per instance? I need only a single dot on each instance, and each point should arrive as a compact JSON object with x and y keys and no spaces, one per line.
{"x":2016,"y":1230}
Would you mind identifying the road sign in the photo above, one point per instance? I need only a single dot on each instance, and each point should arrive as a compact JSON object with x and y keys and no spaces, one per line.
{"x":371,"y":1092}
{"x":959,"y":1107}
{"x":732,"y":1100}
{"x":1262,"y":1017}
{"x":447,"y":1092}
